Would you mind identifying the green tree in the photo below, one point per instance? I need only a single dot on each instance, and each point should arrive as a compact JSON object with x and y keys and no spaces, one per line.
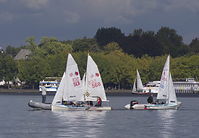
{"x":85,"y":45}
{"x":12,"y":51}
{"x":112,"y":47}
{"x":194,"y":45}
{"x":55,"y":47}
{"x":107,"y":35}
{"x":8,"y":69}
{"x":172,"y":42}
{"x":33,"y":70}
{"x":31,"y":44}
{"x":140,"y":43}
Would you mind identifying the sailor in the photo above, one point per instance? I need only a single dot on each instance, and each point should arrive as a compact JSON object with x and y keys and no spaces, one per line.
{"x":150,"y":99}
{"x":43,"y":93}
{"x":90,"y":103}
{"x":99,"y":102}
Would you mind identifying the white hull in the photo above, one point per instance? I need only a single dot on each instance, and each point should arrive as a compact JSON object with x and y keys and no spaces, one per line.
{"x":150,"y":89}
{"x":136,"y":106}
{"x":163,"y":106}
{"x":102,"y":108}
{"x":154,"y":106}
{"x":60,"y":107}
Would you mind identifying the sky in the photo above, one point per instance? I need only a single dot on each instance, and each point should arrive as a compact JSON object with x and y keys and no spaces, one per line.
{"x":73,"y":19}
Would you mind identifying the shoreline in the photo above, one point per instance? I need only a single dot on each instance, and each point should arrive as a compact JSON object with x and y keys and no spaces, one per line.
{"x":108,"y":93}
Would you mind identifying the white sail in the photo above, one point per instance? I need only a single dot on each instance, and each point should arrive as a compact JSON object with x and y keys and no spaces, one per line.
{"x":139,"y":82}
{"x":172,"y":95}
{"x":163,"y":89}
{"x":134,"y":87}
{"x":94,"y":84}
{"x":72,"y":87}
{"x":84,"y":84}
{"x":59,"y":94}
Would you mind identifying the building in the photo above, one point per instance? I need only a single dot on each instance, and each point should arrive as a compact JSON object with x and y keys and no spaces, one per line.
{"x":23,"y":54}
{"x":187,"y":86}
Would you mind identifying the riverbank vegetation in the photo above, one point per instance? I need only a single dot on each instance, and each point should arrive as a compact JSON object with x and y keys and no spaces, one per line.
{"x":116,"y":54}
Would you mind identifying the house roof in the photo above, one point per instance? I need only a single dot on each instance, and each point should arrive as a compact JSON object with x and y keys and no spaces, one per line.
{"x":23,"y":54}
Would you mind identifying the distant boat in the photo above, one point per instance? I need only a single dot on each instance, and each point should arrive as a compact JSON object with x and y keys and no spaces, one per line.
{"x":138,"y":87}
{"x":50,"y":83}
{"x":166,"y":96}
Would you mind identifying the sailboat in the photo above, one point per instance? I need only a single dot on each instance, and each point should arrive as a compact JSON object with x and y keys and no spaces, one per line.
{"x":166,"y":95}
{"x":93,"y":86}
{"x":73,"y":90}
{"x":137,"y":85}
{"x":70,"y":89}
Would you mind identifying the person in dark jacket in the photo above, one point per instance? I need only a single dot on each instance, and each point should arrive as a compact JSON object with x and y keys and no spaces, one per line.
{"x":150,"y":99}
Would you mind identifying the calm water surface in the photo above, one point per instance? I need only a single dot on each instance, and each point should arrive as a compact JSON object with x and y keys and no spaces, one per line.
{"x":19,"y":121}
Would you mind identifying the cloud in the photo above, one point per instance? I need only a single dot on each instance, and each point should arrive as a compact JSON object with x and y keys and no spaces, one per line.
{"x":119,"y":11}
{"x":128,"y":11}
{"x":191,"y":5}
{"x":35,"y":4}
{"x":71,"y":17}
{"x":6,"y":17}
{"x":2,"y":1}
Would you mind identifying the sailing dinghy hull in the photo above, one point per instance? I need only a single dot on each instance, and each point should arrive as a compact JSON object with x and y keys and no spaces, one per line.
{"x":79,"y":108}
{"x":103,"y":108}
{"x":163,"y":106}
{"x":39,"y":105}
{"x":136,"y":106}
{"x":154,"y":106}
{"x":60,"y":107}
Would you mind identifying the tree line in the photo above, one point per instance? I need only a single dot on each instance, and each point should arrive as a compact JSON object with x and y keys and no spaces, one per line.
{"x":117,"y":56}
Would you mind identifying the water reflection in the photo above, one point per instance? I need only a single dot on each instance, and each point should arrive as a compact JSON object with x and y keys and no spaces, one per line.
{"x":79,"y":123}
{"x":167,"y":122}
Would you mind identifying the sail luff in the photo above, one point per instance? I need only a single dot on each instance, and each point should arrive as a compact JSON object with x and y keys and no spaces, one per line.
{"x":134,"y":86}
{"x":163,"y":89}
{"x":59,"y":94}
{"x":172,"y":95}
{"x":139,"y":82}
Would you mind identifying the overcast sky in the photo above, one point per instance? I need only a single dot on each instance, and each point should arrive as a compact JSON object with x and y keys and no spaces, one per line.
{"x":72,"y":19}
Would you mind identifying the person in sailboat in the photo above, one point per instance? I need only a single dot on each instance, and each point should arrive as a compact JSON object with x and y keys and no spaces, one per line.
{"x":90,"y":103}
{"x":99,"y":102}
{"x":43,"y":93}
{"x":150,"y":99}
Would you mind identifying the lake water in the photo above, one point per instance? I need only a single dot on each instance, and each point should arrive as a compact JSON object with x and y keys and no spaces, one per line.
{"x":17,"y":120}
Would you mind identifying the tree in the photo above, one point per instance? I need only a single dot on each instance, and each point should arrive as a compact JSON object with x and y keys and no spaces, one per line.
{"x":54,"y":47}
{"x":107,"y":35}
{"x":112,"y":47}
{"x":57,"y":64}
{"x":141,"y":43}
{"x":12,"y":51}
{"x":31,"y":44}
{"x":172,"y":42}
{"x":85,"y":45}
{"x":194,"y":45}
{"x":8,"y":69}
{"x":33,"y":70}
